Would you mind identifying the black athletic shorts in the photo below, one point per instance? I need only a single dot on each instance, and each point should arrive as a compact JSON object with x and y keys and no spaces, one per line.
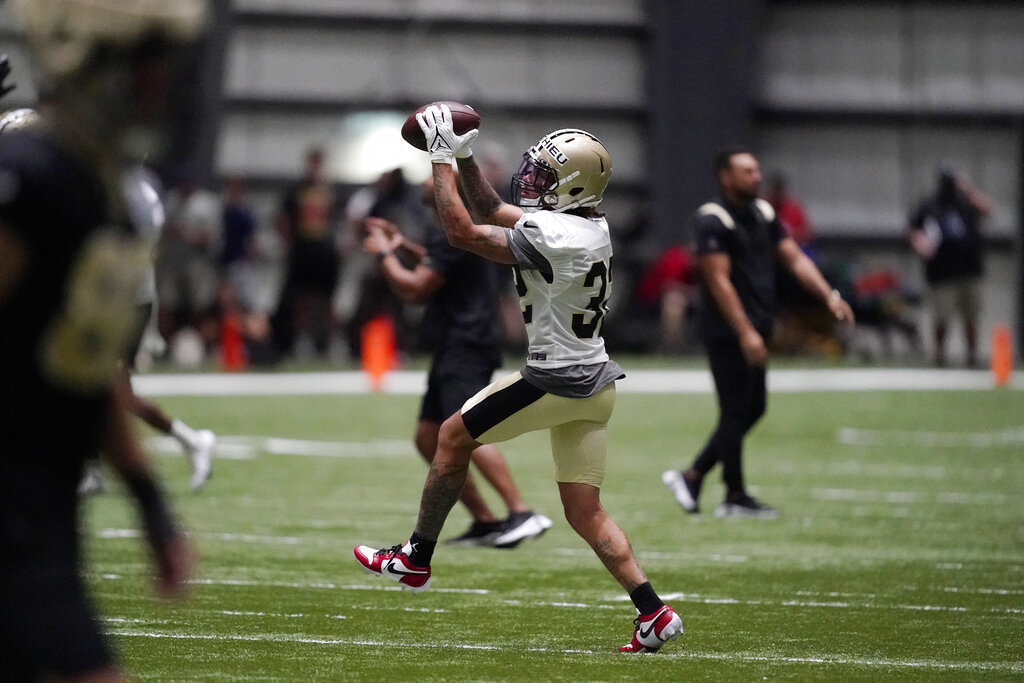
{"x":455,"y":377}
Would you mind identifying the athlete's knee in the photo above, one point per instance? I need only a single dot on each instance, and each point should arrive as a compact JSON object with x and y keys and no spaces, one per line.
{"x":426,"y":439}
{"x":455,"y":438}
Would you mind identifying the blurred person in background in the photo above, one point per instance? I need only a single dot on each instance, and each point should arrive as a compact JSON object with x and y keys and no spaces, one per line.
{"x":739,"y":239}
{"x":791,"y":213}
{"x":396,"y":201}
{"x":308,"y":224}
{"x":186,"y":264}
{"x":71,"y":263}
{"x":460,"y":325}
{"x":238,"y":245}
{"x":560,"y":246}
{"x":945,"y":232}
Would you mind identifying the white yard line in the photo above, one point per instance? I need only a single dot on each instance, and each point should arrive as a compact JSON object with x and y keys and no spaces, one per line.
{"x":842,"y":660}
{"x":246,"y":447}
{"x":611,"y":601}
{"x":636,"y":382}
{"x":853,"y":436}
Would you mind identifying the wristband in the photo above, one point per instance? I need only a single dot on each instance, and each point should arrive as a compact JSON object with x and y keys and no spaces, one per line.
{"x":155,"y":515}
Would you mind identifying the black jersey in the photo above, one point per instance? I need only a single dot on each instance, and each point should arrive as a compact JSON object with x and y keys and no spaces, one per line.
{"x":462,"y":316}
{"x":953,"y":224}
{"x":69,"y":316}
{"x":748,"y":235}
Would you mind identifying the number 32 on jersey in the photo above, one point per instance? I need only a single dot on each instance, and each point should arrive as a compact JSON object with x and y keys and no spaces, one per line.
{"x":598,"y":278}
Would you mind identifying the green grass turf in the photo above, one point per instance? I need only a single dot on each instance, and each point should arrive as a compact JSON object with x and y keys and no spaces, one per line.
{"x":898,"y":560}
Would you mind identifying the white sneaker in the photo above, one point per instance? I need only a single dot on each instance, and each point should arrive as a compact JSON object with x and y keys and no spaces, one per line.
{"x":680,"y":488}
{"x":201,"y":457}
{"x":93,"y":480}
{"x":522,"y":525}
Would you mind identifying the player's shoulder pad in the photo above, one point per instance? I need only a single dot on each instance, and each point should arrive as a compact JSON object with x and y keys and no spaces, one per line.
{"x":719,"y":212}
{"x":766,"y":209}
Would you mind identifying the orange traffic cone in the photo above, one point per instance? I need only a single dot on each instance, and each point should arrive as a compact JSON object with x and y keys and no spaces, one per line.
{"x":232,"y":349}
{"x":1002,"y":355}
{"x":378,"y":349}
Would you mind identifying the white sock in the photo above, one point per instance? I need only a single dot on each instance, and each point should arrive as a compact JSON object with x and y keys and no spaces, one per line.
{"x":187,"y":436}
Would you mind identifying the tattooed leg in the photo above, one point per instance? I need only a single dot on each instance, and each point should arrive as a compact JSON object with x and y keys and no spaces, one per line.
{"x":587,"y":516}
{"x":446,"y":477}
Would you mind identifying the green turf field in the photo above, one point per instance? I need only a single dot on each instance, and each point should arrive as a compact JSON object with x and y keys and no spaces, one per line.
{"x":899,"y":553}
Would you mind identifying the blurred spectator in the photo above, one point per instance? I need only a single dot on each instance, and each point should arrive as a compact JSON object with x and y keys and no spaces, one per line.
{"x":186,"y":263}
{"x":308,"y":223}
{"x":803,"y":326}
{"x":945,"y":232}
{"x":883,"y":302}
{"x":237,"y":247}
{"x":394,"y":200}
{"x":667,"y":287}
{"x":791,"y":213}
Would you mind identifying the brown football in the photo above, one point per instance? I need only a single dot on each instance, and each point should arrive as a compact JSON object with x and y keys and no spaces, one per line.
{"x":464,"y":119}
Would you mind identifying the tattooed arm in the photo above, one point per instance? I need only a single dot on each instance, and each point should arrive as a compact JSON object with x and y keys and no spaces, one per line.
{"x":489,"y":241}
{"x":483,"y":201}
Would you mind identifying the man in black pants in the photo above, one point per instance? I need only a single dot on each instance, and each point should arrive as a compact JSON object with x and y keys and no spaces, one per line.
{"x":739,"y":238}
{"x":460,"y":325}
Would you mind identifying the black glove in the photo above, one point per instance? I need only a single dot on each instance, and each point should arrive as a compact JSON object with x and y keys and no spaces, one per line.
{"x":5,"y":71}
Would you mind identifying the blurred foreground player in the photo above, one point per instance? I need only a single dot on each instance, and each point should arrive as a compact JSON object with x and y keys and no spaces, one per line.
{"x":146,"y":212}
{"x":561,"y":249}
{"x":70,"y":264}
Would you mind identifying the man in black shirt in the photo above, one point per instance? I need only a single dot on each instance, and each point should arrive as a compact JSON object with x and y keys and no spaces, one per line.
{"x":460,"y":324}
{"x":738,"y":240}
{"x":945,"y":233}
{"x":70,"y":265}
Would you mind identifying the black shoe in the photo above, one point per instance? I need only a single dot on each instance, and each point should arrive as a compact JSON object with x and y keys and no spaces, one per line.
{"x":479,"y":533}
{"x":744,"y":505}
{"x":685,"y":491}
{"x":520,"y":526}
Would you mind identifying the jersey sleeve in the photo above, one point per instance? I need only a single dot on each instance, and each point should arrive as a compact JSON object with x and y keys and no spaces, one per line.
{"x":710,"y":235}
{"x":532,"y":246}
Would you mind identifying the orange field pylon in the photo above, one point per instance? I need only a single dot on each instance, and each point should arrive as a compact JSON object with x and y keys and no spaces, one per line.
{"x":1002,"y":355}
{"x":378,"y":349}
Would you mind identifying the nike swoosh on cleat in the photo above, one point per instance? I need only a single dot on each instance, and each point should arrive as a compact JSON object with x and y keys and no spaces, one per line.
{"x":390,"y":567}
{"x":654,"y":622}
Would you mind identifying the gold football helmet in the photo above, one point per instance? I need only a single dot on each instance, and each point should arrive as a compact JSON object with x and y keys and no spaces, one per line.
{"x":565,"y":170}
{"x":64,"y":33}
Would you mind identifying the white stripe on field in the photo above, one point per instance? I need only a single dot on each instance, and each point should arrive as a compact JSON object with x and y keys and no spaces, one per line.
{"x":611,"y":600}
{"x":1012,"y":667}
{"x":636,"y":382}
{"x":853,"y":436}
{"x":907,"y":497}
{"x":247,"y":447}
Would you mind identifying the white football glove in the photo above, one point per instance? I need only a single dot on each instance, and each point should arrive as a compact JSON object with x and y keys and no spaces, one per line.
{"x":442,"y":143}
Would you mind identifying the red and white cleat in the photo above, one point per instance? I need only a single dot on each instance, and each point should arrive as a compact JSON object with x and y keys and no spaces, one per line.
{"x":394,"y":563}
{"x":654,"y":630}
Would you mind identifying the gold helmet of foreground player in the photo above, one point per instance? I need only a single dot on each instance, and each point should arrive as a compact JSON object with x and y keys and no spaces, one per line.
{"x":64,"y":34}
{"x":565,"y":170}
{"x":115,"y":63}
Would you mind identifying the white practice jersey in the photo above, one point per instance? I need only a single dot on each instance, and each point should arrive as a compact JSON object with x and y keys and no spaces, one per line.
{"x":564,"y":281}
{"x":146,"y":212}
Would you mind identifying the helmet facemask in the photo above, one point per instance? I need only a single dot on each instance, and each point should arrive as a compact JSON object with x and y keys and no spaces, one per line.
{"x":534,"y":183}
